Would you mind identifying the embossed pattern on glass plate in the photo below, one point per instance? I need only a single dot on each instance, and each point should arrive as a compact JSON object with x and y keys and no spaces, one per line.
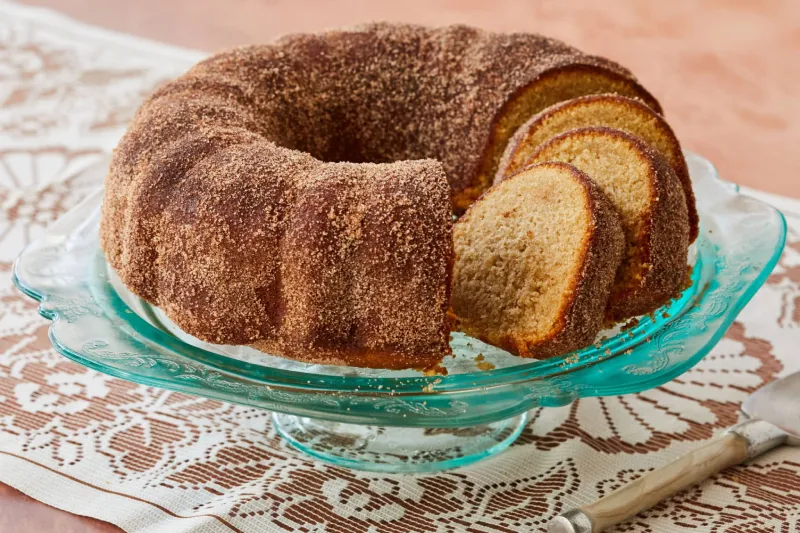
{"x":95,"y":324}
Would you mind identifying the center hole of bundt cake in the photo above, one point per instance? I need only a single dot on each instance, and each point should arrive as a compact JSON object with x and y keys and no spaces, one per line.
{"x":368,"y":126}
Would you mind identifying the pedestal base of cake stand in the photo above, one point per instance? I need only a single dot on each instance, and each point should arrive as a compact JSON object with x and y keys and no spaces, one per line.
{"x":397,"y":449}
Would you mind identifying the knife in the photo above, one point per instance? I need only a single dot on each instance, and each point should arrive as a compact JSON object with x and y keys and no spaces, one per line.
{"x":773,"y":419}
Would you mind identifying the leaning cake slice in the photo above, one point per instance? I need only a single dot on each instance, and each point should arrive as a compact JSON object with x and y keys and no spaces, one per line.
{"x":535,"y":261}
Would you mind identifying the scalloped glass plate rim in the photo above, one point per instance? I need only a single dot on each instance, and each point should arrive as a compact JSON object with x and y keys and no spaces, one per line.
{"x":305,"y":382}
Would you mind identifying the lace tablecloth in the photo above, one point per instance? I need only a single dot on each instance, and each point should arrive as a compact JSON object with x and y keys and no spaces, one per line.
{"x":151,"y":460}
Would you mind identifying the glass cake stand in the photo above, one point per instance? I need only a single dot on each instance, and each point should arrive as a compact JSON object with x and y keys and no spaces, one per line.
{"x":402,"y":421}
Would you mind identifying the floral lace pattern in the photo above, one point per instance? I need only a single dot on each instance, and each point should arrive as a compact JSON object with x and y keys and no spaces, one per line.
{"x":69,"y":435}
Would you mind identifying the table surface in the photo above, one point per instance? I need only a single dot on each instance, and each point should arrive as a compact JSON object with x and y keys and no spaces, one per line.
{"x":725,"y":71}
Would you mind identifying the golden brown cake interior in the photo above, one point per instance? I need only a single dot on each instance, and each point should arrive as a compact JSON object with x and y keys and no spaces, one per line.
{"x":535,"y":259}
{"x":609,"y":110}
{"x":651,"y":205}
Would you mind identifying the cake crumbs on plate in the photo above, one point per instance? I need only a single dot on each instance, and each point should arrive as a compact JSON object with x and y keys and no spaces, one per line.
{"x":571,"y":360}
{"x":436,"y":370}
{"x":483,"y":364}
{"x":630,"y":324}
{"x":430,"y":386}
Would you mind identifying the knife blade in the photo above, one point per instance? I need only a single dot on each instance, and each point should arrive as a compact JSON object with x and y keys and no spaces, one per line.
{"x":773,"y":413}
{"x":778,"y":403}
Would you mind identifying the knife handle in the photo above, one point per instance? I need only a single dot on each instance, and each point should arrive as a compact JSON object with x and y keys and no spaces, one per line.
{"x":741,"y":442}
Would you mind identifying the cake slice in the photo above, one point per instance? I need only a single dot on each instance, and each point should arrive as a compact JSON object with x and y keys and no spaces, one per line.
{"x":651,"y":204}
{"x":535,"y":261}
{"x":610,"y":110}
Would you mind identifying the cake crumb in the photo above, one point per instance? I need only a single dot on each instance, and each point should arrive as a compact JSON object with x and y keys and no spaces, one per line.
{"x":483,"y":364}
{"x":430,"y":386}
{"x":571,"y":360}
{"x":435,"y":370}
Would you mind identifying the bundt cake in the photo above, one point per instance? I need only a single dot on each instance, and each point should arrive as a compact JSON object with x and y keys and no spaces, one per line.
{"x":651,"y":204}
{"x":257,"y":198}
{"x":610,"y":110}
{"x":536,"y":257}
